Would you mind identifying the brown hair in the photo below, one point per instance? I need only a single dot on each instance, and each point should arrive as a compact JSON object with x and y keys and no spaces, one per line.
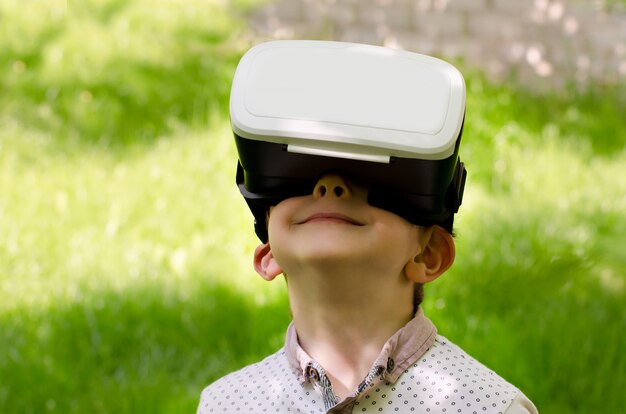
{"x":418,"y":296}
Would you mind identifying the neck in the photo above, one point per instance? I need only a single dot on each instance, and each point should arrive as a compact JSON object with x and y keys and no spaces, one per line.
{"x":343,"y":320}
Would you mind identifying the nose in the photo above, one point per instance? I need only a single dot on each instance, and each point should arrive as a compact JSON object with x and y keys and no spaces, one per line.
{"x":332,"y":185}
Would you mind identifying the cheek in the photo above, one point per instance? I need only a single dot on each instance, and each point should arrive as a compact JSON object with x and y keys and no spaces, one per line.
{"x":280,"y":217}
{"x":402,"y":238}
{"x":273,"y":227}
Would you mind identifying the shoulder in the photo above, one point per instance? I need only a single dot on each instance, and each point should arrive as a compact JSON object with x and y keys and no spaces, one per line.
{"x":448,"y":377}
{"x":449,"y":359}
{"x":246,"y":385}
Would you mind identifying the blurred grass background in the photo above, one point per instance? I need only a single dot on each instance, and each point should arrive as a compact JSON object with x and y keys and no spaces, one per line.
{"x":125,"y":250}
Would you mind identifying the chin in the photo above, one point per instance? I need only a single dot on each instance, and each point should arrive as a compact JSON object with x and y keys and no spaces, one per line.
{"x":326,"y":245}
{"x":332,"y":256}
{"x":322,"y":253}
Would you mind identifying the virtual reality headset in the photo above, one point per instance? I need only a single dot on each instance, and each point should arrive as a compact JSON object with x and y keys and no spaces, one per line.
{"x":389,"y":119}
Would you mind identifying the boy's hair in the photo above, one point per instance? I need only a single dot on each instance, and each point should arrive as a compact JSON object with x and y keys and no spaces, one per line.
{"x":418,"y":296}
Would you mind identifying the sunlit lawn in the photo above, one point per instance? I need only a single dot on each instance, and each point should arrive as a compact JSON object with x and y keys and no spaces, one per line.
{"x":125,"y":251}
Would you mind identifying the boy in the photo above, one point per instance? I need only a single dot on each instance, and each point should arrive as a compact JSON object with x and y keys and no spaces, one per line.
{"x":355,"y":237}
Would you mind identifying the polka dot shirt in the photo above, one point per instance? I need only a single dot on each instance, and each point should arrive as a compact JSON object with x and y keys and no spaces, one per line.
{"x":417,"y":371}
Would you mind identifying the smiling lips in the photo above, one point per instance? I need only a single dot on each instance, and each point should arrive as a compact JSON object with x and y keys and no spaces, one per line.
{"x":331,"y":217}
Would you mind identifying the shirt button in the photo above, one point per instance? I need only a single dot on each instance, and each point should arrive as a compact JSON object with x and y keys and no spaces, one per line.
{"x":312,"y":373}
{"x":390,"y":364}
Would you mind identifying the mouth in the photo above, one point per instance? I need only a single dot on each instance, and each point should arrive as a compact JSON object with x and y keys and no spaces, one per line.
{"x":331,"y":218}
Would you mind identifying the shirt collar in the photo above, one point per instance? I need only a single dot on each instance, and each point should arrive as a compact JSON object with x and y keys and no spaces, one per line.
{"x":399,"y":352}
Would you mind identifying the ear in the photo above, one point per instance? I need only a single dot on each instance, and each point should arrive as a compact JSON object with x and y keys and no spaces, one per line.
{"x":434,"y":259}
{"x":265,"y":264}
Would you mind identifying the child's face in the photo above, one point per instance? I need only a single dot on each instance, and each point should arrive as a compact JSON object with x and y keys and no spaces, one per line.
{"x":335,"y":225}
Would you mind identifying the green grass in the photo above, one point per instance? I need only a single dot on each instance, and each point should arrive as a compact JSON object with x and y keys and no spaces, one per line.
{"x":539,"y":279}
{"x":125,"y":249}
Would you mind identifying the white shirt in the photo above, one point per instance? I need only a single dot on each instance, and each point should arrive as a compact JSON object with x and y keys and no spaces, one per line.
{"x":417,"y":371}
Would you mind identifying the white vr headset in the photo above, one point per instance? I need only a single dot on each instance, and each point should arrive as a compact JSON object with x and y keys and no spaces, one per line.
{"x":389,"y":119}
